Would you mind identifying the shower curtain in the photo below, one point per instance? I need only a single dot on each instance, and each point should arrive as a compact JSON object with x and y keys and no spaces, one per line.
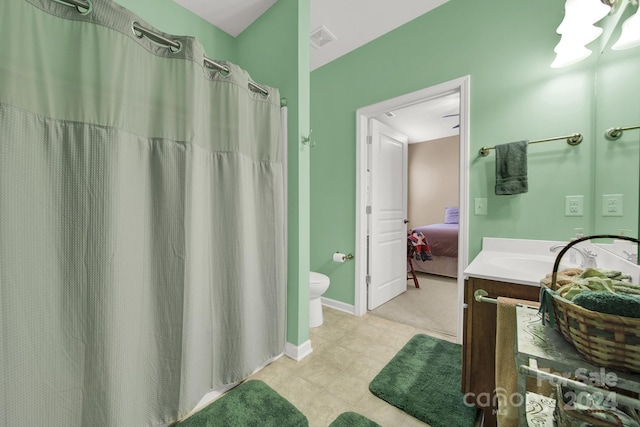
{"x":141,"y":220}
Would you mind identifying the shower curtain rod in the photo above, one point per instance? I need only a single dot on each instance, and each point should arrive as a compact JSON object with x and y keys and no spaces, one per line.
{"x":573,"y":139}
{"x":170,"y":44}
{"x":76,"y":3}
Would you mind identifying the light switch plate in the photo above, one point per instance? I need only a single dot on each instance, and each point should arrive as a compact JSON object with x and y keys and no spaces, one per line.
{"x":612,"y":205}
{"x":481,"y":206}
{"x":573,"y":205}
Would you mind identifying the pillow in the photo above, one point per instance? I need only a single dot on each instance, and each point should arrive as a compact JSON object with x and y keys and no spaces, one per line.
{"x":450,"y":215}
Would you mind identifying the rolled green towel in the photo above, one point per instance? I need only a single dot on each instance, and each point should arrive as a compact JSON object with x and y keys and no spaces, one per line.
{"x":592,"y":272}
{"x":625,"y":287}
{"x":599,"y":284}
{"x":604,"y":273}
{"x":570,"y":290}
{"x":609,"y":303}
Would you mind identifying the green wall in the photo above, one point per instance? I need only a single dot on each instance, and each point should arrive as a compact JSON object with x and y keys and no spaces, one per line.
{"x":276,"y":50}
{"x":506,"y":48}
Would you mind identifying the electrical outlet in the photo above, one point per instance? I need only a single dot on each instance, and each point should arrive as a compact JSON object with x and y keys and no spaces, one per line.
{"x":612,"y":205}
{"x":480,"y":206}
{"x":573,"y":205}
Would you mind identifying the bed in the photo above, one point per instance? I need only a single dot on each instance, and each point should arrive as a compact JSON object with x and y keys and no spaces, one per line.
{"x":443,"y":243}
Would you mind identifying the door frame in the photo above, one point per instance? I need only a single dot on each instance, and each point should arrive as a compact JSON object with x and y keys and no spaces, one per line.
{"x":362,"y":121}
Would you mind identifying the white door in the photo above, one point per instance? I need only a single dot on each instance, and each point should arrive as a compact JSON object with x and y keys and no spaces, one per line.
{"x":387,"y":231}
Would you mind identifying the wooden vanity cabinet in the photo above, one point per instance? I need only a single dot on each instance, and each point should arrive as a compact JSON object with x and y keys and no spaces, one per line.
{"x":479,"y":341}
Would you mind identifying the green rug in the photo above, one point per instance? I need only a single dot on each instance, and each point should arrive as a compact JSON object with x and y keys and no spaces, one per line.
{"x":352,"y":419}
{"x":252,"y":403}
{"x":423,"y":380}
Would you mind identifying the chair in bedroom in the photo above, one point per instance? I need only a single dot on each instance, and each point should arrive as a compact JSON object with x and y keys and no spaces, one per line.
{"x":411,"y":273}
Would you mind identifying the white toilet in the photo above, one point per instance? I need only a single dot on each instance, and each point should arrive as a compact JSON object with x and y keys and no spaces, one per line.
{"x":318,"y":285}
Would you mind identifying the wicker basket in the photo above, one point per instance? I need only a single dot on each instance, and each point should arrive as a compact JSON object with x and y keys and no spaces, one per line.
{"x":605,"y":340}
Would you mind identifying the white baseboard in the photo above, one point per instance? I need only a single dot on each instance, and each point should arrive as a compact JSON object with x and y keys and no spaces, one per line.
{"x":298,"y":352}
{"x":303,"y":350}
{"x":339,"y":305}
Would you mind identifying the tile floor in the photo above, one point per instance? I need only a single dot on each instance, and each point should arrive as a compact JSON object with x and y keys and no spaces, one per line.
{"x":348,"y":352}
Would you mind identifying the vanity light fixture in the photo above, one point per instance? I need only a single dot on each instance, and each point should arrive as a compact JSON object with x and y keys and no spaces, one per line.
{"x":577,"y":29}
{"x":567,"y":54}
{"x":630,"y":36}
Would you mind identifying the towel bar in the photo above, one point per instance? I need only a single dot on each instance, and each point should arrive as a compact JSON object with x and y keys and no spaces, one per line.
{"x":573,"y":139}
{"x":615,"y":133}
{"x":481,"y":296}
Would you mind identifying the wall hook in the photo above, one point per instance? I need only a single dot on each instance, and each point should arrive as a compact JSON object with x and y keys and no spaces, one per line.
{"x":306,"y":140}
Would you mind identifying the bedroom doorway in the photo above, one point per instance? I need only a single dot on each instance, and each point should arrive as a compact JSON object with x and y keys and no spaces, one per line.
{"x":459,"y":88}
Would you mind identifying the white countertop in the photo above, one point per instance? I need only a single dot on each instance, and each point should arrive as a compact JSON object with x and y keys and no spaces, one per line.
{"x":526,"y":262}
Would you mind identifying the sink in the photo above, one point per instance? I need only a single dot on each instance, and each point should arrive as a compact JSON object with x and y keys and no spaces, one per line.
{"x":529,"y":268}
{"x":534,"y":266}
{"x":529,"y":261}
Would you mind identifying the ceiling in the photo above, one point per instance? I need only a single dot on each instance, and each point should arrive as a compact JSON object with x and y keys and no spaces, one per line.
{"x":433,"y":119}
{"x":373,"y":17}
{"x":336,"y":18}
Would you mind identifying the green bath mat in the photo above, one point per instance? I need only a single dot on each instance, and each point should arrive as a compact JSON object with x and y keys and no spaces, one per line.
{"x":423,"y":380}
{"x":352,"y":419}
{"x":252,"y":403}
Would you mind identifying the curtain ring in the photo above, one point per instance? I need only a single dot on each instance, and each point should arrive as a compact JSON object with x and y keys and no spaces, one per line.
{"x":140,"y":32}
{"x":216,"y":67}
{"x":83,"y":7}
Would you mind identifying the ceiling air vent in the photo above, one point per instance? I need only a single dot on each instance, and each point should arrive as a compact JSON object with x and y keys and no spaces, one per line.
{"x":321,"y":36}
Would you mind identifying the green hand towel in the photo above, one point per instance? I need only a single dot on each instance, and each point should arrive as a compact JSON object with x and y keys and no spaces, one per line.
{"x":610,"y":303}
{"x":511,"y":168}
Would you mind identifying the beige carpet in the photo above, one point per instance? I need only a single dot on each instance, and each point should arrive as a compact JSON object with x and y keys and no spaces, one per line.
{"x":433,"y":307}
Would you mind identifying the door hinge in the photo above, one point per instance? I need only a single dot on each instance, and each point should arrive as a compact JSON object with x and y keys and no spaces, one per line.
{"x":369,"y":139}
{"x":368,"y":279}
{"x":369,"y":210}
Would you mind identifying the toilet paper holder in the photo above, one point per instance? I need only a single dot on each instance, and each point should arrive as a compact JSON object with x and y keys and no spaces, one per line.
{"x":346,"y":257}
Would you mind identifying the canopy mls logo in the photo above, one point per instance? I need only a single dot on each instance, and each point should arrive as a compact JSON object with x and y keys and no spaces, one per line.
{"x":601,"y":378}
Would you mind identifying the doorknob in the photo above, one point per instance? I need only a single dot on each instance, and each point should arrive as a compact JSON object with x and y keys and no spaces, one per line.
{"x":406,"y":221}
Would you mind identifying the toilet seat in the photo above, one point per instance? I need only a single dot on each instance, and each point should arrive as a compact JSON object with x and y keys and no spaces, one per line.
{"x":317,"y":278}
